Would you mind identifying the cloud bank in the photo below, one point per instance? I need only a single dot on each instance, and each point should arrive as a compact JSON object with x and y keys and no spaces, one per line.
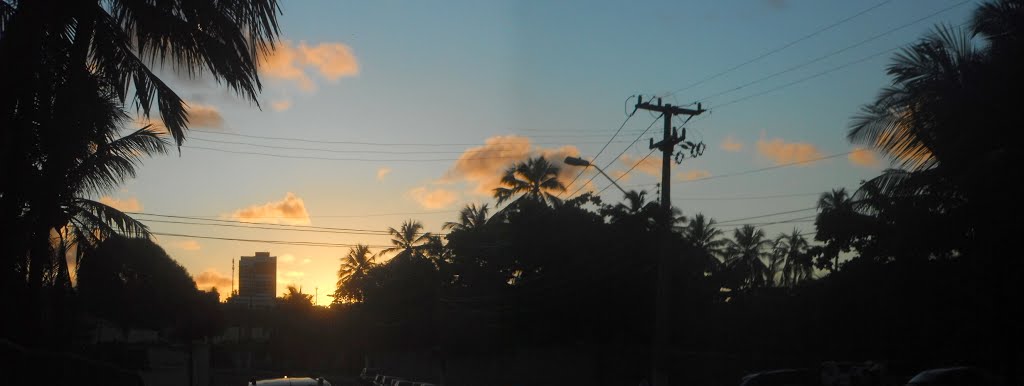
{"x":289,"y":210}
{"x":295,"y":63}
{"x":782,"y":152}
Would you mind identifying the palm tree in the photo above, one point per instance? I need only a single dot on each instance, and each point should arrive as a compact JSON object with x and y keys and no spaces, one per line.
{"x":295,"y":298}
{"x":409,"y":240}
{"x":471,"y":218}
{"x":745,"y":253}
{"x":353,"y":267}
{"x":535,"y":179}
{"x":792,"y":248}
{"x":705,"y":238}
{"x":837,"y":225}
{"x":73,"y":166}
{"x":125,"y":40}
{"x":65,"y":65}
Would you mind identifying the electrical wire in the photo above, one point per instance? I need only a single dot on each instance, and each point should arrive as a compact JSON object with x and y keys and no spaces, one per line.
{"x":839,"y":51}
{"x":628,"y":116}
{"x":347,"y":159}
{"x":745,"y":172}
{"x":250,"y":223}
{"x":265,"y":227}
{"x":616,"y":180}
{"x":280,"y":242}
{"x":323,"y":141}
{"x":744,"y":198}
{"x":620,"y":155}
{"x":780,"y":48}
{"x":766,"y":215}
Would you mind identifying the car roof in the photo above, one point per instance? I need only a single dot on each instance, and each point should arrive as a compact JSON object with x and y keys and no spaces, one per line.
{"x":299,"y":381}
{"x":952,"y":376}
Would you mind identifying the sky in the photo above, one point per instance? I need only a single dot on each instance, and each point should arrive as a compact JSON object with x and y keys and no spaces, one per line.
{"x":410,"y":110}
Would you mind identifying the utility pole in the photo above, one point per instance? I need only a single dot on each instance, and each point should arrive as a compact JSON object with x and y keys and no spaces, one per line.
{"x":663,"y":300}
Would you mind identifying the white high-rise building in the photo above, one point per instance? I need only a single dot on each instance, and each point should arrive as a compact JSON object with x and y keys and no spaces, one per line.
{"x":257,"y":280}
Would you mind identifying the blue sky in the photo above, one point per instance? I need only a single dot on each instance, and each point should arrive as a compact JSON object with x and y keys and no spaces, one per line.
{"x":551,"y":73}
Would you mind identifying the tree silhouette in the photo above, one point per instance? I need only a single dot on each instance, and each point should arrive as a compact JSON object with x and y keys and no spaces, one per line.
{"x":534,"y":179}
{"x":354,"y":267}
{"x":705,"y":238}
{"x":123,"y":41}
{"x":744,"y":256}
{"x":134,"y":283}
{"x":793,"y":250}
{"x":471,"y":218}
{"x":835,"y":226}
{"x":409,"y":240}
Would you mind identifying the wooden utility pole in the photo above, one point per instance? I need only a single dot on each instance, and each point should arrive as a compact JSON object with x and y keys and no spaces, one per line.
{"x":663,"y":301}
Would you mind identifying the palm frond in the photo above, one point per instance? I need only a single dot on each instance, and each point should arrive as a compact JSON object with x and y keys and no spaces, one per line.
{"x":6,"y":11}
{"x":114,"y":58}
{"x":91,"y":216}
{"x":115,"y":161}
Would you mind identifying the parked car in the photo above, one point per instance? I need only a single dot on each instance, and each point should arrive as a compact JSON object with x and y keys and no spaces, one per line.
{"x":369,"y":373}
{"x":286,"y":381}
{"x":955,"y":376}
{"x":784,"y":377}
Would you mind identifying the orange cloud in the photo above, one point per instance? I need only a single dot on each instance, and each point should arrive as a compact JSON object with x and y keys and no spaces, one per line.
{"x":433,"y":199}
{"x":690,"y":175}
{"x":293,"y":63}
{"x":782,"y":152}
{"x":863,"y":157}
{"x":290,"y":210}
{"x":204,"y":116}
{"x":212,"y":278}
{"x":650,"y":166}
{"x":188,"y":245}
{"x":124,"y":205}
{"x":383,"y":172}
{"x":731,"y":144}
{"x":281,"y":105}
{"x":286,"y":258}
{"x":200,"y":116}
{"x":483,"y":166}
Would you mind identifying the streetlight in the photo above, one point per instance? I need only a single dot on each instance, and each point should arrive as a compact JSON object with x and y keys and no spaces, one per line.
{"x":575,"y":161}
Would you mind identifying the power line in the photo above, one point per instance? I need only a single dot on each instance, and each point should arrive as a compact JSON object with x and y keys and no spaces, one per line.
{"x":344,"y":159}
{"x":801,"y":80}
{"x":280,"y":242}
{"x":250,"y":223}
{"x":323,"y":141}
{"x":617,"y":157}
{"x":324,"y":150}
{"x":204,"y":217}
{"x":766,"y":215}
{"x":628,"y":116}
{"x":775,"y":167}
{"x":266,"y":228}
{"x":780,"y":166}
{"x":787,"y":221}
{"x":780,"y":48}
{"x":839,"y":51}
{"x":627,"y":171}
{"x":744,"y":198}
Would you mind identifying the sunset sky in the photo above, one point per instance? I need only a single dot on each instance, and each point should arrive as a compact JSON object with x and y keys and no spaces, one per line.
{"x":439,"y":98}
